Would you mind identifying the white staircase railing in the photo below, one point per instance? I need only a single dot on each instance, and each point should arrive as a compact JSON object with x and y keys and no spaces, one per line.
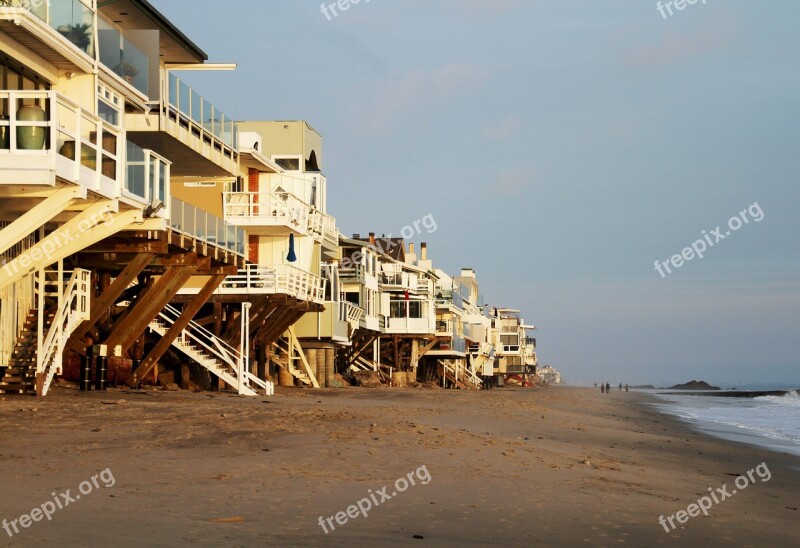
{"x":73,"y":309}
{"x":350,"y":313}
{"x":217,"y":356}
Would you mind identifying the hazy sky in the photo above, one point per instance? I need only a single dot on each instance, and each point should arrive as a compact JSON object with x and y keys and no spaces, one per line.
{"x":563,"y":147}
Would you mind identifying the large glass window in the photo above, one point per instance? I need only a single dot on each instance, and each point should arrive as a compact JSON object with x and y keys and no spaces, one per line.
{"x":397,"y":309}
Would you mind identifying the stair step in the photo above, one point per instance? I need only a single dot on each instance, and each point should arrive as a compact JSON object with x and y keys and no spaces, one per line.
{"x":27,"y":379}
{"x":12,"y":370}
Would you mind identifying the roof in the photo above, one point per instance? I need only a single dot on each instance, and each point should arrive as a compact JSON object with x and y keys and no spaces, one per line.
{"x":163,"y":24}
{"x":171,"y":29}
{"x":394,"y":248}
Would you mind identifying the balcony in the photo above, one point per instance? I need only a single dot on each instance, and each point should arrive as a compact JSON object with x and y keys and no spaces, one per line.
{"x":200,"y":225}
{"x":444,"y":328}
{"x":450,"y":346}
{"x":449,"y":299}
{"x":323,"y":227}
{"x":267,"y":214}
{"x":275,"y":280}
{"x":410,"y":317}
{"x":414,"y":326}
{"x":355,"y":273}
{"x":186,"y":128}
{"x":62,"y":32}
{"x":44,"y":136}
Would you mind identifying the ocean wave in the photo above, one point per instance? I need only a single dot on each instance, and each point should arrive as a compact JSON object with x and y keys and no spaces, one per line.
{"x":791,"y":399}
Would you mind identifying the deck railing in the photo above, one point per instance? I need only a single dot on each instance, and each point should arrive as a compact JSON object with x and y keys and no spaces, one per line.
{"x":196,"y":223}
{"x":279,"y":279}
{"x":323,"y":225}
{"x":268,"y":209}
{"x":202,"y":118}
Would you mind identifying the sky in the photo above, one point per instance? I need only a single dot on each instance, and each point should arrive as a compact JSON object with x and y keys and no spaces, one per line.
{"x":563,"y":147}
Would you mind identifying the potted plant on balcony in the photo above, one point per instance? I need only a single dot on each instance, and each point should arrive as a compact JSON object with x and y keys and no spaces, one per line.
{"x":127,"y":71}
{"x":80,"y":34}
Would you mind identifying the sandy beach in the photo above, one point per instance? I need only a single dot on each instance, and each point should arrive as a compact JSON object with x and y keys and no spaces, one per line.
{"x":555,"y":466}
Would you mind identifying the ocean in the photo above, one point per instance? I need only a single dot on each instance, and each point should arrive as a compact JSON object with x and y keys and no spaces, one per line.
{"x":769,"y":421}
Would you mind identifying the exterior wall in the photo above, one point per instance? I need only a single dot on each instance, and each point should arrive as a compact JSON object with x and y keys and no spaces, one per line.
{"x":82,"y":89}
{"x":287,"y":138}
{"x":208,"y":198}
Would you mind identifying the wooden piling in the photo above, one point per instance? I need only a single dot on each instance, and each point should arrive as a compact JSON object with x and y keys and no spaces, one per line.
{"x":311,"y":356}
{"x":330,"y":366}
{"x":285,"y":378}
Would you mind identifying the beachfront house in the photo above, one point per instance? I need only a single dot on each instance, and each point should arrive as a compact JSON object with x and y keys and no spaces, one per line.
{"x":359,"y":297}
{"x":407,"y":302}
{"x":95,"y":127}
{"x":515,"y":351}
{"x":477,"y":327}
{"x":291,"y":279}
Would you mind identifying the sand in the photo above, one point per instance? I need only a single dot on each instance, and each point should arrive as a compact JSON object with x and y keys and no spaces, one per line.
{"x":509,"y":467}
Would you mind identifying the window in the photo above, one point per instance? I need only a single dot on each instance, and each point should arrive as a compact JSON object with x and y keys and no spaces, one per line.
{"x":291,"y":163}
{"x":397,"y":309}
{"x":109,"y":105}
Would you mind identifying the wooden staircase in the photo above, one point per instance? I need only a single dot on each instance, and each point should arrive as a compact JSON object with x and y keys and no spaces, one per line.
{"x":19,"y":376}
{"x":287,"y":354}
{"x":465,"y":383}
{"x":219,"y":358}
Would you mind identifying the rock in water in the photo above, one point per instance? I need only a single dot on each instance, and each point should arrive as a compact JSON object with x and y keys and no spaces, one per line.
{"x":695,"y":385}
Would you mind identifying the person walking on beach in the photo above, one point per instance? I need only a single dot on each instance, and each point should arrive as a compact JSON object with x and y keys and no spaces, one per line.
{"x":620,"y":387}
{"x":626,"y":388}
{"x":608,"y":388}
{"x":602,"y":388}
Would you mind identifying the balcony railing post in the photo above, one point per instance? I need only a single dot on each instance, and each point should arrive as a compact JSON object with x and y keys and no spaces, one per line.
{"x":52,"y":125}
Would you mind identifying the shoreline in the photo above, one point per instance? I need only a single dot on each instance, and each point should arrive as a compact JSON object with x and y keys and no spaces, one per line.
{"x":547,"y":466}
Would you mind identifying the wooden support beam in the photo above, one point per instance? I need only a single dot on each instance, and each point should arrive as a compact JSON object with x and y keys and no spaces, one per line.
{"x":427,"y":348}
{"x":83,"y":230}
{"x":146,"y":310}
{"x":180,"y":324}
{"x":128,"y":245}
{"x":39,"y":215}
{"x":101,"y":304}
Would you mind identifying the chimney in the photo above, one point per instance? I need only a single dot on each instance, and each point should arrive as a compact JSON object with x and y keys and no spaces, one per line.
{"x":411,"y":248}
{"x":356,"y":236}
{"x":424,"y":251}
{"x":372,"y":238}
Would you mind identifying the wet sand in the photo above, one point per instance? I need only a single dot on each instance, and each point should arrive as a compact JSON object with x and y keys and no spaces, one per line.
{"x":551,"y":467}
